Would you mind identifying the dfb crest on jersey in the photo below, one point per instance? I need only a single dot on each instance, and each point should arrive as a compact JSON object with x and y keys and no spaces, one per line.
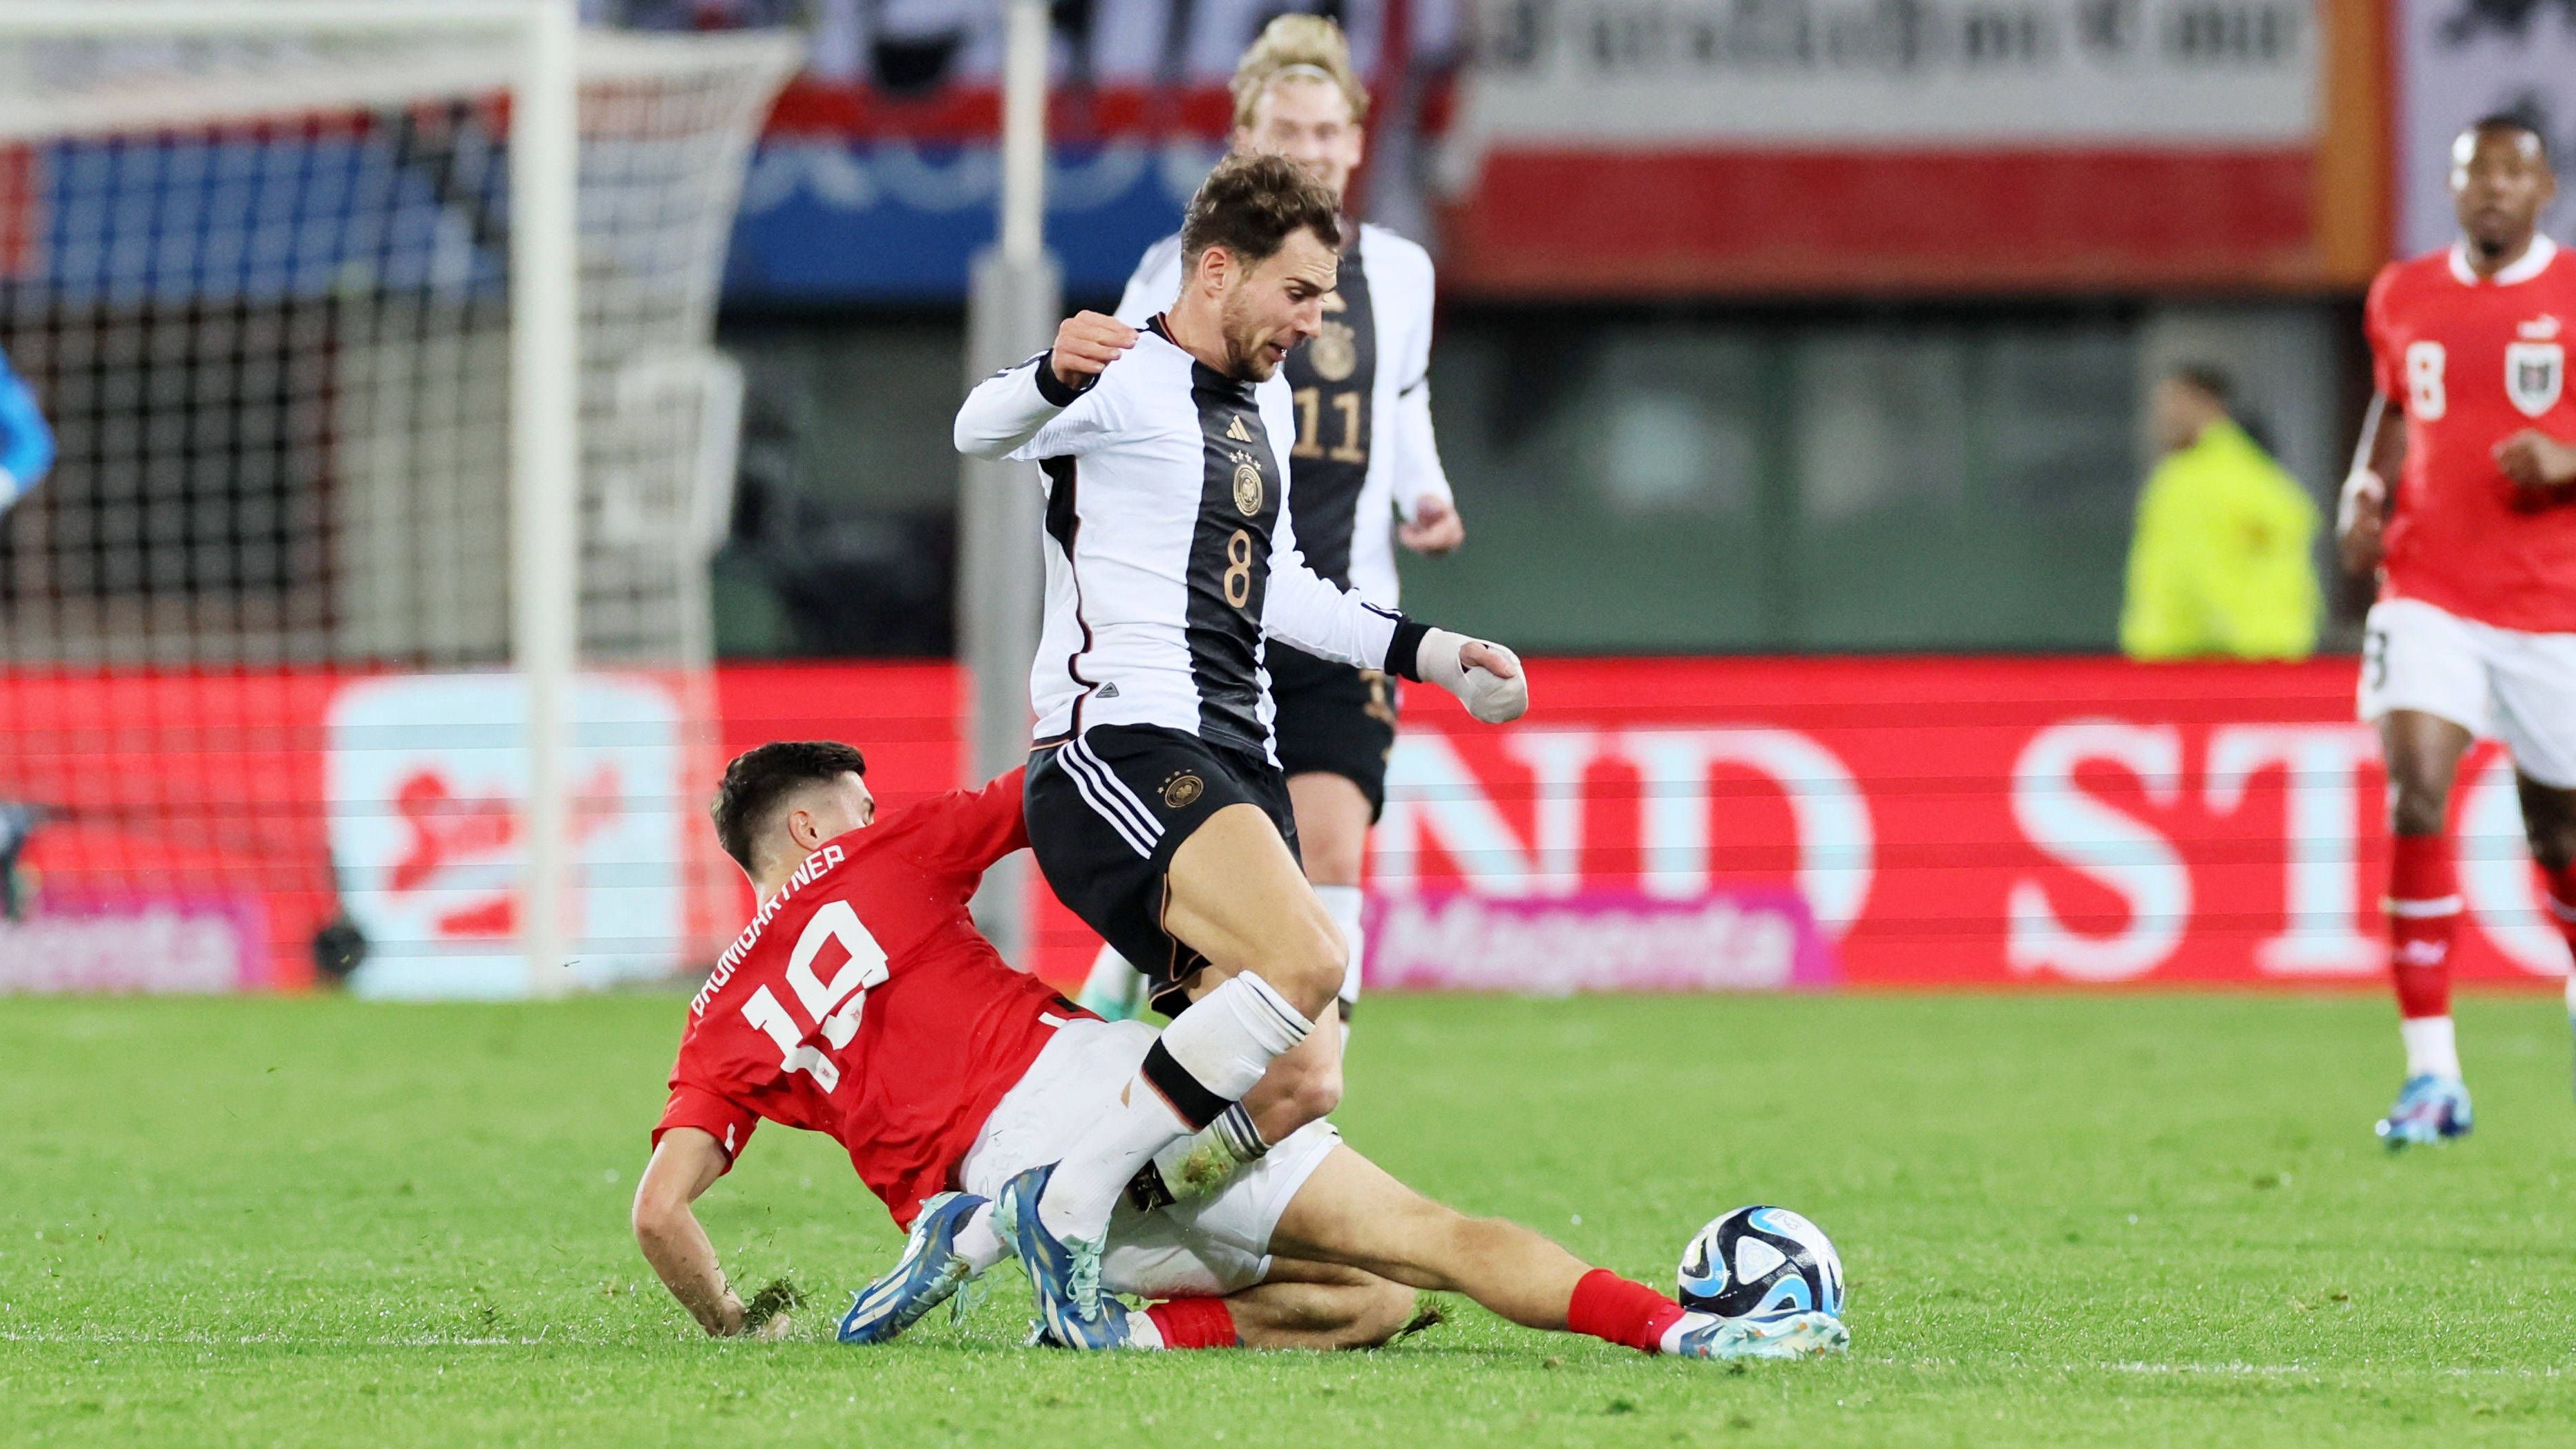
{"x":2535,"y":373}
{"x":1334,"y":352}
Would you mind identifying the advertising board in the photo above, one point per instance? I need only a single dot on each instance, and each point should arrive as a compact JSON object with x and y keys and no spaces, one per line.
{"x":1653,"y":824}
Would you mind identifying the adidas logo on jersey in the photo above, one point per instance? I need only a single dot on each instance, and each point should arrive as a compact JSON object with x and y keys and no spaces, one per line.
{"x":2540,"y":329}
{"x":1236,"y":431}
{"x":1107,"y":691}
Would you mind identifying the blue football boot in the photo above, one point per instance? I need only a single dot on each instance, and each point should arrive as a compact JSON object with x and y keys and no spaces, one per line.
{"x":1788,"y":1335}
{"x":2429,"y":1109}
{"x":1064,"y":1276}
{"x":928,"y":1274}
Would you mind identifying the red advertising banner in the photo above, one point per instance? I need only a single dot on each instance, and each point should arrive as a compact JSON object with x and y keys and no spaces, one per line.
{"x":268,"y":803}
{"x":1884,"y":822}
{"x":1965,"y":822}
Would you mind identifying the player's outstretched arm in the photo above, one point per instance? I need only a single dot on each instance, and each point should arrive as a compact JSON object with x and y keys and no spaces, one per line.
{"x":1007,"y":409}
{"x":1311,"y":612}
{"x":684,"y":1165}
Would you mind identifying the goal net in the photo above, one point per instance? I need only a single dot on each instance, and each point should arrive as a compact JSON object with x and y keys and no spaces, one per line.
{"x":365,"y":598}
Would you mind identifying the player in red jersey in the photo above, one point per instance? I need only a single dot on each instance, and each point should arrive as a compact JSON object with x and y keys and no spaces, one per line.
{"x":2475,"y":628}
{"x":861,"y":1002}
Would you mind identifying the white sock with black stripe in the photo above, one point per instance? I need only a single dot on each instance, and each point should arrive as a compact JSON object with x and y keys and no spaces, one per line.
{"x":1206,"y":1060}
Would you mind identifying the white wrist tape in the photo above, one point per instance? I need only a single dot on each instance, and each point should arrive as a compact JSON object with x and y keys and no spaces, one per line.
{"x":1488,"y":696}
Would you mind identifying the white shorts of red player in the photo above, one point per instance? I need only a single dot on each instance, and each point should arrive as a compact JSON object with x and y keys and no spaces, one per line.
{"x":1207,"y":1247}
{"x":2503,"y":684}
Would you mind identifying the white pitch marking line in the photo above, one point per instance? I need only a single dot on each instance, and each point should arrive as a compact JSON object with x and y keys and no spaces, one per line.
{"x":117,"y":1339}
{"x":2224,"y":1370}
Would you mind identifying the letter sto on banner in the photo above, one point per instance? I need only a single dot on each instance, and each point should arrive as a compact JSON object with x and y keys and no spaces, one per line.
{"x":1955,"y":822}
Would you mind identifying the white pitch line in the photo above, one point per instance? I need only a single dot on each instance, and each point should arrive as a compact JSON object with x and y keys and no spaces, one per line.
{"x":2235,"y":1370}
{"x":2297,"y":1370}
{"x":119,"y":1339}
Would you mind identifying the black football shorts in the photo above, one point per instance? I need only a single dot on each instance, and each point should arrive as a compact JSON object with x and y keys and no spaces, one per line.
{"x":1108,"y":808}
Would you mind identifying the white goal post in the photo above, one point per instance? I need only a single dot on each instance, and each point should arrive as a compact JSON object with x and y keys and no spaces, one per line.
{"x":382,"y":334}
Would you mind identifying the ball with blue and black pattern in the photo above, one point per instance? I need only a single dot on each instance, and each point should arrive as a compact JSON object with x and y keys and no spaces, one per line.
{"x":1761,"y":1262}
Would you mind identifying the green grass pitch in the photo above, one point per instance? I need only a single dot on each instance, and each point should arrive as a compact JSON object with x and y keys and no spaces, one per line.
{"x":2109,"y":1220}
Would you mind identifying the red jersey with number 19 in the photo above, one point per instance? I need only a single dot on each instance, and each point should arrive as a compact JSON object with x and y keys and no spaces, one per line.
{"x":862,"y":1003}
{"x":2474,"y":360}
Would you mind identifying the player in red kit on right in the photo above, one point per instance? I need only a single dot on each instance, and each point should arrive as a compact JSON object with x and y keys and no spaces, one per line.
{"x":2474,"y":632}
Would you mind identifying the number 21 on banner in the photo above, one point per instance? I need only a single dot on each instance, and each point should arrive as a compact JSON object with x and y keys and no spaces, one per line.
{"x":834,"y":1006}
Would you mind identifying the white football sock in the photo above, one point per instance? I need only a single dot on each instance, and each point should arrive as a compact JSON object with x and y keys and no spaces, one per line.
{"x":2431,"y":1049}
{"x":1112,"y":986}
{"x":1208,"y":1058}
{"x":977,"y":1243}
{"x":1343,"y":904}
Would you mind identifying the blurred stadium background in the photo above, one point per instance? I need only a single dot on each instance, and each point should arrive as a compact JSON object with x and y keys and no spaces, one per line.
{"x":1793,"y":370}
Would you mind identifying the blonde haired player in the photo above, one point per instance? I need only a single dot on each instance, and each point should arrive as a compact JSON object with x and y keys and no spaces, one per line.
{"x":1366,"y":471}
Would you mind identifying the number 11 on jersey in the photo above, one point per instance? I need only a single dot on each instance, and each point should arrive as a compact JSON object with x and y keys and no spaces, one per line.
{"x":833,"y":1006}
{"x":1310,"y":411}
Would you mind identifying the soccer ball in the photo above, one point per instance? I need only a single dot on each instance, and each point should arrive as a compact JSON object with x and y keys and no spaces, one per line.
{"x":1761,"y":1262}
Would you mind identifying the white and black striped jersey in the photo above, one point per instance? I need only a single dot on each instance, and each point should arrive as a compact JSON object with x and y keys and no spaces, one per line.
{"x":1364,"y":451}
{"x":1171,"y":551}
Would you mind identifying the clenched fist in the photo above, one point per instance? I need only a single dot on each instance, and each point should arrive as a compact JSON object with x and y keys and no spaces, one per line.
{"x":1087,"y":343}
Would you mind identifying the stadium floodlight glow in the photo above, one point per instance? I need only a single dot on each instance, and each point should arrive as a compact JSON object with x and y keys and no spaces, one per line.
{"x":450,"y":523}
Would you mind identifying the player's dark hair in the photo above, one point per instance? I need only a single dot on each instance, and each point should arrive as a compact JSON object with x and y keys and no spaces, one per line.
{"x":2512,"y":121}
{"x":1251,"y":205}
{"x":2209,"y":380}
{"x":760,"y":779}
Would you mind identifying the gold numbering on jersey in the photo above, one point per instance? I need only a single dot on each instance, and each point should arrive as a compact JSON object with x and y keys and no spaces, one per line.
{"x":1353,"y":448}
{"x":1238,"y":573}
{"x":1247,"y":489}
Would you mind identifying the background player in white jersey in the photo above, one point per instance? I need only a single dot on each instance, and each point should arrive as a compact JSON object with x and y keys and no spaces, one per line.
{"x":1364,"y":458}
{"x":1155,"y":803}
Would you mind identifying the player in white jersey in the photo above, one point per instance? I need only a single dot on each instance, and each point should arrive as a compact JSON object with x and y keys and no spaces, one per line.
{"x":1364,"y":459}
{"x":1155,"y":804}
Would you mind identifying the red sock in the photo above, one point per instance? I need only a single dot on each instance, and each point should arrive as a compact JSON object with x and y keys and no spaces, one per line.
{"x":2562,"y":905}
{"x":2423,"y":907}
{"x":1619,"y":1310}
{"x":1195,"y":1323}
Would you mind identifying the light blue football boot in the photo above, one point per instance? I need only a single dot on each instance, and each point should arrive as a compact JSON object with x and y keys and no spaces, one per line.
{"x":1063,"y":1276}
{"x":928,"y":1274}
{"x":1787,"y":1335}
{"x":2429,"y":1109}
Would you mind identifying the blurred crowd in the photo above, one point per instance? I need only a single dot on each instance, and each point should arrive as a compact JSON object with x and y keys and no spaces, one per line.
{"x":903,"y":45}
